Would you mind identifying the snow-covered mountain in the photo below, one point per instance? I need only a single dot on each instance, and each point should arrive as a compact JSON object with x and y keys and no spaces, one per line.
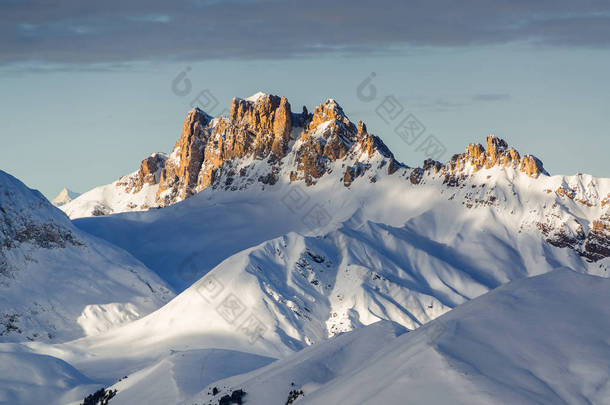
{"x":344,"y":236}
{"x":263,"y":145}
{"x":64,"y":197}
{"x":541,"y":340}
{"x":260,"y":142}
{"x":59,"y":283}
{"x":281,"y":231}
{"x":382,"y":255}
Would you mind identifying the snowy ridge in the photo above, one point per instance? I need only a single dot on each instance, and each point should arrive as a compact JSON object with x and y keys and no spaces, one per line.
{"x":263,"y":146}
{"x":299,"y":237}
{"x":502,"y":200}
{"x":111,"y":198}
{"x":55,"y":279}
{"x":530,"y":342}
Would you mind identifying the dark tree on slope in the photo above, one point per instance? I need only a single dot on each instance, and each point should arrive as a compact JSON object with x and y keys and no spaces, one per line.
{"x":100,"y":397}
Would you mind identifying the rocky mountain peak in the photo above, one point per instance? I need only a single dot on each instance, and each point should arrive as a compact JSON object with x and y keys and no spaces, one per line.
{"x":260,"y":128}
{"x":262,"y":140}
{"x":497,"y":153}
{"x":267,"y":116}
{"x":329,"y":112}
{"x":150,"y":170}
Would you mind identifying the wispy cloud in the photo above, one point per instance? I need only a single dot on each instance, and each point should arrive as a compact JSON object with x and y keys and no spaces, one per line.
{"x":74,"y":31}
{"x":491,"y":97}
{"x":444,"y":104}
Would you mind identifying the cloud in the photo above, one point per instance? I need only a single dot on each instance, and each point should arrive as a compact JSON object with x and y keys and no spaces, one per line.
{"x":491,"y":97}
{"x":76,"y":31}
{"x":449,"y":104}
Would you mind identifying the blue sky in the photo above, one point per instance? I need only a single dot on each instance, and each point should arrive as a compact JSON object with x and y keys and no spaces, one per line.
{"x":88,"y":91}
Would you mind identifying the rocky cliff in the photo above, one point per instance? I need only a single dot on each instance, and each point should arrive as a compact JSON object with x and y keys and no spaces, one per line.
{"x":262,"y":142}
{"x":260,"y":138}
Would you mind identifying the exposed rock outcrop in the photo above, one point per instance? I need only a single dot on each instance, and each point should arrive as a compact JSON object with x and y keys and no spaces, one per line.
{"x":566,"y":231}
{"x":532,"y":166}
{"x":259,"y":129}
{"x":179,"y":176}
{"x":223,"y":152}
{"x":477,"y":157}
{"x":597,"y":244}
{"x":331,"y":136}
{"x":561,"y":235}
{"x":24,"y":224}
{"x":261,"y":140}
{"x":269,"y":119}
{"x":497,"y":153}
{"x":150,"y":171}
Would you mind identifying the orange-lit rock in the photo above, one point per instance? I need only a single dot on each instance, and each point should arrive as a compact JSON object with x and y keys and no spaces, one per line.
{"x":497,"y":153}
{"x":531,"y":166}
{"x":179,"y":177}
{"x":150,"y":171}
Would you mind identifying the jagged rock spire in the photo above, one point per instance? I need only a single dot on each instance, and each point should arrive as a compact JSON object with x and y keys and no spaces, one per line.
{"x":262,"y":128}
{"x":179,"y":176}
{"x":497,"y":153}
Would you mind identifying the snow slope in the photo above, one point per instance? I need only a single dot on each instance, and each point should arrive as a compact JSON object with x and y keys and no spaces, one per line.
{"x":385,"y":252}
{"x":111,"y":198}
{"x":59,"y":283}
{"x":383,"y":256}
{"x":28,"y":378}
{"x":312,"y":367}
{"x":304,"y":289}
{"x":541,"y":340}
{"x":183,"y":374}
{"x":405,"y":254}
{"x":271,"y":258}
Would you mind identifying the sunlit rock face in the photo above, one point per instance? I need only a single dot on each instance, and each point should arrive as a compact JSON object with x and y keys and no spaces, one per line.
{"x":223,"y":152}
{"x":497,"y":153}
{"x":179,"y":176}
{"x":262,"y":142}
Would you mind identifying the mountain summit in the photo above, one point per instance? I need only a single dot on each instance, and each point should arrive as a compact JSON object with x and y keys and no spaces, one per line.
{"x":263,"y":144}
{"x":282,"y":230}
{"x":262,"y":141}
{"x":64,"y":197}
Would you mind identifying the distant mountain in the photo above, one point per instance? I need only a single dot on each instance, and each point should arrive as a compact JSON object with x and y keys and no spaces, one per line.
{"x":260,"y":142}
{"x":406,"y":255}
{"x":282,"y":230}
{"x":312,"y":257}
{"x":263,"y":146}
{"x":57,"y":282}
{"x":64,"y":197}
